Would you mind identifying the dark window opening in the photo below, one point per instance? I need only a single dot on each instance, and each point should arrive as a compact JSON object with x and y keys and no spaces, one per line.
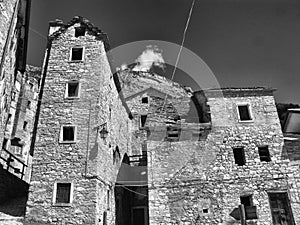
{"x":281,"y":209}
{"x":28,"y":104}
{"x":145,"y":100}
{"x":8,"y":121}
{"x":4,"y":143}
{"x":246,"y":200}
{"x":250,"y":209}
{"x":108,"y":199}
{"x":63,"y":192}
{"x":25,"y":125}
{"x":68,"y":133}
{"x":205,"y":210}
{"x":79,"y":31}
{"x":143,"y":120}
{"x":239,"y":156}
{"x":77,"y":53}
{"x":31,"y":86}
{"x":264,"y":154}
{"x":73,"y":89}
{"x":244,"y":112}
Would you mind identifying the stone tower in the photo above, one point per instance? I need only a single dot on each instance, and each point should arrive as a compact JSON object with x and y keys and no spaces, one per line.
{"x":82,"y":122}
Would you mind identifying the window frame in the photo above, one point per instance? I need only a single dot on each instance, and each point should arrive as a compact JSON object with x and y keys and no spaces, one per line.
{"x":77,"y":60}
{"x":145,"y":98}
{"x":249,"y":107}
{"x":55,"y":193}
{"x":61,"y":141}
{"x":67,"y":89}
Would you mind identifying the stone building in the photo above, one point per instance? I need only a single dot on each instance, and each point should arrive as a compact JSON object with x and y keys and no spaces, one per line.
{"x":134,"y":148}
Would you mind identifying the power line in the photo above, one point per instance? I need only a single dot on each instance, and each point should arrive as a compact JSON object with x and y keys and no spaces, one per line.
{"x":182,"y":43}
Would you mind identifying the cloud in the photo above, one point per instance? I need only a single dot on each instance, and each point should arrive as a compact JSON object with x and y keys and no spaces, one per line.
{"x":151,"y":56}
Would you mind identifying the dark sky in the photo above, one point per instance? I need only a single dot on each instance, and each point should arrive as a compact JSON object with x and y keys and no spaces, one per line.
{"x":244,"y":42}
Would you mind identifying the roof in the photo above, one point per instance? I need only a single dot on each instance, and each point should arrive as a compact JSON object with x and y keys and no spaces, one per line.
{"x":91,"y":28}
{"x":239,"y":91}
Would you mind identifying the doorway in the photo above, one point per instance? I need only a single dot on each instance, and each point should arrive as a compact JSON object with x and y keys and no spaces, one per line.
{"x":281,"y":209}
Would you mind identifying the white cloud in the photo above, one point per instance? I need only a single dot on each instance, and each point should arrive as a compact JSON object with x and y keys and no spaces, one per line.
{"x":151,"y":56}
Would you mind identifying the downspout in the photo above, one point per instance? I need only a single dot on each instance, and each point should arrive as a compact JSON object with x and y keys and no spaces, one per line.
{"x":38,"y":108}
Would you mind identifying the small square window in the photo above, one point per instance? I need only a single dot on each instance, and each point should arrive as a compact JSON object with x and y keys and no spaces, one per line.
{"x":173,"y":133}
{"x":246,"y":200}
{"x":68,"y":134}
{"x":79,"y":31}
{"x":77,"y":54}
{"x":264,"y":154}
{"x":205,"y":210}
{"x":244,"y":112}
{"x":72,"y":90}
{"x":239,"y":156}
{"x":25,"y":125}
{"x":63,"y":193}
{"x":145,"y":100}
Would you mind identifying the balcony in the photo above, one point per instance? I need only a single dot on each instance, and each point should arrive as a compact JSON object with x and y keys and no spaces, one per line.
{"x":12,"y":164}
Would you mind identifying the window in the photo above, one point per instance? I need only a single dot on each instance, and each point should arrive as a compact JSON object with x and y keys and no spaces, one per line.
{"x":63,"y":193}
{"x":4,"y":143}
{"x":143,"y":120}
{"x":173,"y":133}
{"x":239,"y":156}
{"x":108,"y":199}
{"x":79,"y":31}
{"x":68,"y":134}
{"x":72,"y":89}
{"x":244,"y":112}
{"x":77,"y":54}
{"x":25,"y":125}
{"x":31,"y":86}
{"x":246,"y":200}
{"x":250,"y":209}
{"x":8,"y":121}
{"x":145,"y":100}
{"x":13,"y":96}
{"x":29,"y":104}
{"x":264,"y":154}
{"x":205,"y":210}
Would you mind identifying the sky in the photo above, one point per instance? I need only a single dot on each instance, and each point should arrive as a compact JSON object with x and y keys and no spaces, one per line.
{"x":244,"y":42}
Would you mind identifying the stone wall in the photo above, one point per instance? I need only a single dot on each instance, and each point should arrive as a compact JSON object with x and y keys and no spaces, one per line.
{"x":198,"y":182}
{"x":88,"y":162}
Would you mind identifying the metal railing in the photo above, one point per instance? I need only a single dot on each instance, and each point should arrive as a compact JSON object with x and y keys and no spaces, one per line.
{"x":9,"y":160}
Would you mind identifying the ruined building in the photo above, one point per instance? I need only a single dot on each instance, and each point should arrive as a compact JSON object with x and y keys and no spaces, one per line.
{"x":134,"y":148}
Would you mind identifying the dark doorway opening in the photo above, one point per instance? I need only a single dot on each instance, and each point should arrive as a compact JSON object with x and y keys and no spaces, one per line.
{"x":281,"y":209}
{"x":131,"y":194}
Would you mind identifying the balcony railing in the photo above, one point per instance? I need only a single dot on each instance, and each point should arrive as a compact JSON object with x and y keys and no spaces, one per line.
{"x":9,"y":160}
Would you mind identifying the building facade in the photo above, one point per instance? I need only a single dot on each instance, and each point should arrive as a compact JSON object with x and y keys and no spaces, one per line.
{"x":135,"y":148}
